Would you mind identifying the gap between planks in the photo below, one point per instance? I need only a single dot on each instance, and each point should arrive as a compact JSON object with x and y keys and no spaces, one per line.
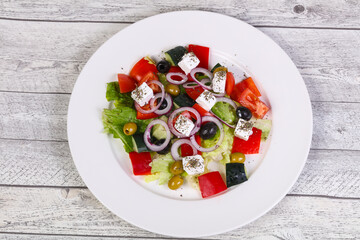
{"x":84,"y":187}
{"x":125,"y":22}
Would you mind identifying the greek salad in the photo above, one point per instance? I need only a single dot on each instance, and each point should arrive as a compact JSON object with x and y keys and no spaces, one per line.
{"x":178,"y":116}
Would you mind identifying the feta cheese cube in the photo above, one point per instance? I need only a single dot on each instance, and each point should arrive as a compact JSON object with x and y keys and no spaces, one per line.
{"x":206,"y":100}
{"x":219,"y":82}
{"x":142,"y":94}
{"x":188,"y":62}
{"x":243,"y":129}
{"x":193,"y":164}
{"x":184,"y":125}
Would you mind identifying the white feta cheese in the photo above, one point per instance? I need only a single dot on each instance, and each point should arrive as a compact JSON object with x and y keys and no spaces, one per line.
{"x":142,"y":94}
{"x":193,"y":164}
{"x":219,"y":82}
{"x":188,"y":62}
{"x":206,"y":100}
{"x":243,"y":129}
{"x":184,"y":125}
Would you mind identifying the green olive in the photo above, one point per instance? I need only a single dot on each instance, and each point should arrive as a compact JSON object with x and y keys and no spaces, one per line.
{"x":130,"y":128}
{"x":172,"y":89}
{"x":175,"y":182}
{"x":237,"y":157}
{"x":176,"y":168}
{"x":220,"y":69}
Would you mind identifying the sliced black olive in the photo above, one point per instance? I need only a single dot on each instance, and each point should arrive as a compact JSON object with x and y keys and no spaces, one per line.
{"x":244,"y":113}
{"x":163,"y":66}
{"x":166,"y":149}
{"x":208,"y":130}
{"x":163,"y":105}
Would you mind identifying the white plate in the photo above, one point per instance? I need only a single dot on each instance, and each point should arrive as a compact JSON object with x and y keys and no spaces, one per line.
{"x":105,"y":169}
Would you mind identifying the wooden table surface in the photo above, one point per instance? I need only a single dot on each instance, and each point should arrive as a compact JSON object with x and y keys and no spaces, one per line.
{"x":44,"y":45}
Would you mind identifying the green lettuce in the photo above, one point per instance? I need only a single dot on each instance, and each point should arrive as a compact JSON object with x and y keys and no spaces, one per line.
{"x":160,"y":169}
{"x":114,"y":121}
{"x":225,"y":111}
{"x":120,"y":99}
{"x":223,"y":152}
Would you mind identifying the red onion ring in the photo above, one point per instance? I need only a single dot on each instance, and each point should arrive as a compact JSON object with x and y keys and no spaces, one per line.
{"x":177,"y":144}
{"x":168,"y":100}
{"x":204,"y":71}
{"x":171,"y":74}
{"x":221,"y":129}
{"x":229,"y":101}
{"x":147,"y":136}
{"x":173,"y":115}
{"x":139,"y":109}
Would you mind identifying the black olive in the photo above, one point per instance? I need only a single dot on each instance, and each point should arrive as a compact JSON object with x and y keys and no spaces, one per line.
{"x":163,"y":105}
{"x":244,"y":113}
{"x":208,"y":130}
{"x":163,"y":66}
{"x":166,"y":149}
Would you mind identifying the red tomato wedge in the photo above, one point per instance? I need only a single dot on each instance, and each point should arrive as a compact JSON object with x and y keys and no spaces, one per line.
{"x":143,"y":116}
{"x":253,"y":103}
{"x":241,"y":86}
{"x":202,"y":53}
{"x":211,"y":183}
{"x":201,"y":110}
{"x":194,"y":93}
{"x":126,"y":83}
{"x":140,"y":163}
{"x":176,"y":69}
{"x":142,"y":68}
{"x":251,"y":146}
{"x":230,"y":83}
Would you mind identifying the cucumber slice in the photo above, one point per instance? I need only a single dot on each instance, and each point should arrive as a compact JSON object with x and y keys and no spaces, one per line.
{"x":215,"y":67}
{"x":139,"y":144}
{"x":183,"y":100}
{"x":265,"y":126}
{"x":174,"y":55}
{"x":159,"y":131}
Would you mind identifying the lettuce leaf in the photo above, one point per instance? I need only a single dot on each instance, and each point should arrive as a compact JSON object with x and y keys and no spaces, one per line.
{"x":120,"y":99}
{"x":223,"y":152}
{"x":160,"y":169}
{"x":225,"y":111}
{"x":114,"y":121}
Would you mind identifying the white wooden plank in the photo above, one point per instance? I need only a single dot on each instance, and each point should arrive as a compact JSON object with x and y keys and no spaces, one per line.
{"x":43,"y":117}
{"x":74,"y":211}
{"x":309,"y":13}
{"x":47,"y":57}
{"x":34,"y":163}
{"x":37,"y":163}
{"x":63,"y":237}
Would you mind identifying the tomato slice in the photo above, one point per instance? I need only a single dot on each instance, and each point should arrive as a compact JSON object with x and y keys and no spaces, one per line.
{"x":148,"y":77}
{"x":126,"y":83}
{"x":176,"y":69}
{"x":194,"y":93}
{"x":241,"y":86}
{"x":202,"y":53}
{"x":261,"y":109}
{"x":211,"y":183}
{"x":230,"y":83}
{"x":251,"y":146}
{"x":140,"y":115}
{"x":142,"y":68}
{"x":253,"y":103}
{"x":201,"y":110}
{"x":140,"y":163}
{"x":248,"y":99}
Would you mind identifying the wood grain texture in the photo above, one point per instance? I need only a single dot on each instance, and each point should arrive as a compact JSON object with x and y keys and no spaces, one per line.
{"x":47,"y":57}
{"x":43,"y":117}
{"x":307,"y":13}
{"x":76,"y":211}
{"x":64,"y":237}
{"x":36,"y":163}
